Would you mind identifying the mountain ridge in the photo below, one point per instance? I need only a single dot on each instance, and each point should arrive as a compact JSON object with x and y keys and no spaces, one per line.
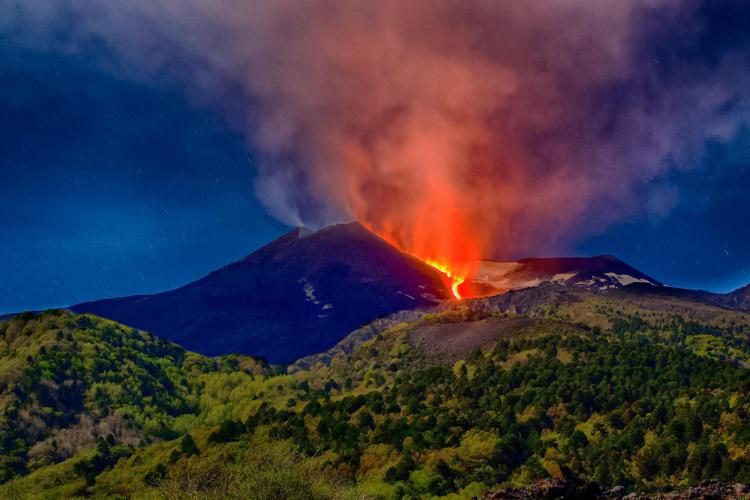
{"x":287,"y":299}
{"x":599,"y":272}
{"x":307,"y":290}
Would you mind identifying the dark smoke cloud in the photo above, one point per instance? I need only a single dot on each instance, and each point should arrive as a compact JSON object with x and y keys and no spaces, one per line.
{"x":520,"y":124}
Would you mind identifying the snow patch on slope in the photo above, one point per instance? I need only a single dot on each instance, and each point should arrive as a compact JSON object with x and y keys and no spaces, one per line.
{"x":626,"y":279}
{"x":309,"y":290}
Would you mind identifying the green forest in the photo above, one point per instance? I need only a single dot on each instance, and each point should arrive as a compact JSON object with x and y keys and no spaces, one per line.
{"x":648,"y":398}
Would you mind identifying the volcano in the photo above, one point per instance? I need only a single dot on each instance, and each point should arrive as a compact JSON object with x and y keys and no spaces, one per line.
{"x":298,"y":295}
{"x":304,"y":292}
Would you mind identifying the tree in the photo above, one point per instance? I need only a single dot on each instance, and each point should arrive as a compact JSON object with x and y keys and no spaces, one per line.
{"x":366,"y":420}
{"x":229,"y":430}
{"x":188,"y":446}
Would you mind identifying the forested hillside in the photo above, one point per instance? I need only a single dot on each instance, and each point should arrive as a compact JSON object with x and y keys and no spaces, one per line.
{"x":650,"y":395}
{"x":70,"y":383}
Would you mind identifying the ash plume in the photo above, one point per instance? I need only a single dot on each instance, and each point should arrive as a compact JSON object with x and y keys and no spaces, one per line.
{"x":456,"y":129}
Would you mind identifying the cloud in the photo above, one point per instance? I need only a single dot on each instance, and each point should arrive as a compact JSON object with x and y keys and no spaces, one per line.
{"x":455,"y":128}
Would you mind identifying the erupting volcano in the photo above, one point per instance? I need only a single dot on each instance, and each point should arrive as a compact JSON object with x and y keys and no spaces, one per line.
{"x":455,"y":258}
{"x":432,"y":221}
{"x":318,"y":287}
{"x":455,"y":272}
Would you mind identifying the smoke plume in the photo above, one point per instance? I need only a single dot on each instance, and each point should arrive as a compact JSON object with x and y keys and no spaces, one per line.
{"x":456,"y":129}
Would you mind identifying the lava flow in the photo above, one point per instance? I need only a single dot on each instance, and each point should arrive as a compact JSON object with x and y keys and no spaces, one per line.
{"x":455,"y":280}
{"x":455,"y":274}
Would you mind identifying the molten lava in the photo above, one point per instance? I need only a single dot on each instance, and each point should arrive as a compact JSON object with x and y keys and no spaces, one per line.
{"x":455,"y":280}
{"x":455,"y":273}
{"x":431,"y":221}
{"x":419,"y":204}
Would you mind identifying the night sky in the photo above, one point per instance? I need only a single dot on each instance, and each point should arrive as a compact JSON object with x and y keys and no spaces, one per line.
{"x":111,"y":185}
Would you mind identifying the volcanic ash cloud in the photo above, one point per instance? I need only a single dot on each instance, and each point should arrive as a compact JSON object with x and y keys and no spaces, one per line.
{"x":454,"y":129}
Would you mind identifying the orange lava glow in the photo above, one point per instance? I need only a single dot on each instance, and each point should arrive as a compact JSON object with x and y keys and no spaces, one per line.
{"x":455,"y":272}
{"x":427,"y":214}
{"x":455,"y":280}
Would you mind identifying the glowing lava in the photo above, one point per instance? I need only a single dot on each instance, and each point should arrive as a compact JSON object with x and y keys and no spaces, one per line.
{"x":445,"y":250}
{"x":456,"y":280}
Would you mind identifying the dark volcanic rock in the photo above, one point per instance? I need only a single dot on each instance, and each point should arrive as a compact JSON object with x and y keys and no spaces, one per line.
{"x":707,"y":490}
{"x":550,"y":488}
{"x":526,"y":300}
{"x":576,"y":489}
{"x":296,"y":296}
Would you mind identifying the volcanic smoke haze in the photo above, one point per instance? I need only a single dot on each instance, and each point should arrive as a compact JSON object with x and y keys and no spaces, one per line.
{"x":456,"y":130}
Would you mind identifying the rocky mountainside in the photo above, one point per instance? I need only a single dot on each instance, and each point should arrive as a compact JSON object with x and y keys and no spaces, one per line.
{"x":570,"y":488}
{"x":595,"y":273}
{"x":296,"y":296}
{"x":589,"y":306}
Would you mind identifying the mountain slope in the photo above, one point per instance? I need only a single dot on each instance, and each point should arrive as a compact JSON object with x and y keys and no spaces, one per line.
{"x":738,"y":299}
{"x":296,"y":296}
{"x":590,"y":307}
{"x":600,"y":273}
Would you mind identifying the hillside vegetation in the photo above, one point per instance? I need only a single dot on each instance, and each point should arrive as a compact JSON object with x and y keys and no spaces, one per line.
{"x":647,"y":394}
{"x":70,"y":383}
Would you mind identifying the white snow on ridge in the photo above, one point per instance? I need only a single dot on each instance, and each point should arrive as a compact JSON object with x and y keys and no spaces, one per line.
{"x":626,"y":279}
{"x":514,"y":276}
